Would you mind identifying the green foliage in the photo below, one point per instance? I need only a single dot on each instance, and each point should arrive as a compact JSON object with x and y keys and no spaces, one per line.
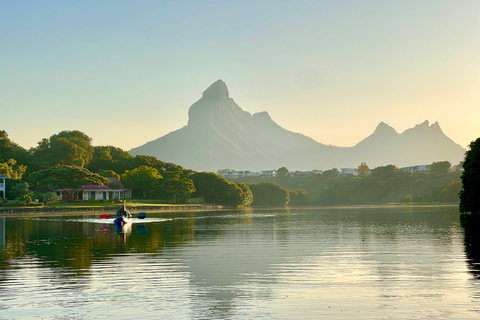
{"x":269,"y":194}
{"x":451,"y":192}
{"x":64,"y":148}
{"x":282,"y":172}
{"x":298,"y":198}
{"x":408,"y":199}
{"x":216,"y":189}
{"x":363,"y":169}
{"x":25,"y":198}
{"x":441,"y":168}
{"x":246,"y":195}
{"x":48,"y":198}
{"x":144,"y":180}
{"x":67,"y":178}
{"x":174,"y":185}
{"x":11,"y":150}
{"x":469,"y":194}
{"x":108,"y":174}
{"x":7,"y":169}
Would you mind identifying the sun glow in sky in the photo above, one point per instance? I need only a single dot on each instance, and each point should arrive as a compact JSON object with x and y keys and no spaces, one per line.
{"x":126,"y":72}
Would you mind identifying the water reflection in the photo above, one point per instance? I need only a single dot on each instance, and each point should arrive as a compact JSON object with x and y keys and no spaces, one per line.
{"x":372,"y":261}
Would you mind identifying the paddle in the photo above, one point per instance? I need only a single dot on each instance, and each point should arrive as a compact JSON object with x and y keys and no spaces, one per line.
{"x":140,"y":215}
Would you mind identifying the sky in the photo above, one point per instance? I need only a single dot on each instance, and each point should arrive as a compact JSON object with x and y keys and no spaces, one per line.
{"x":126,"y":72}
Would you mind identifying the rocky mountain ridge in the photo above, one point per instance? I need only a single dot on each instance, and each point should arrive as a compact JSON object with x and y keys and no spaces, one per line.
{"x":220,"y":134}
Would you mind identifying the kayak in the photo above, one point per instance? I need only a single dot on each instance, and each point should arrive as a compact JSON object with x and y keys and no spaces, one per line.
{"x":122,"y":222}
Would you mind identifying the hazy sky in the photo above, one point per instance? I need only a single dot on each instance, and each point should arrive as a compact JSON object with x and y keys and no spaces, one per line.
{"x":126,"y":72}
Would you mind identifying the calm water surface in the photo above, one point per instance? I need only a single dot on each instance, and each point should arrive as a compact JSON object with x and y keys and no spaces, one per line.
{"x":316,"y":263}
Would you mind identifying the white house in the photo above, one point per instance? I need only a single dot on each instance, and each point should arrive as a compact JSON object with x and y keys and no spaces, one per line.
{"x":268,"y":173}
{"x":233,"y":174}
{"x":3,"y":184}
{"x":420,"y":168}
{"x":93,"y":192}
{"x":304,"y":173}
{"x":349,"y":171}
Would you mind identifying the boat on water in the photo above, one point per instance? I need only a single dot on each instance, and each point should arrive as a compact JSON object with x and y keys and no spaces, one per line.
{"x":122,"y":222}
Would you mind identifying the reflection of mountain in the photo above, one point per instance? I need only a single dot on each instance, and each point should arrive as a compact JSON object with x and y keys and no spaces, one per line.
{"x":219,"y":134}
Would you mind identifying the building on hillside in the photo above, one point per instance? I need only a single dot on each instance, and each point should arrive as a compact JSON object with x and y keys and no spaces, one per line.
{"x":105,"y":192}
{"x":268,"y":173}
{"x":349,"y":171}
{"x":3,"y":185}
{"x":233,"y":174}
{"x":457,"y":167}
{"x":304,"y":173}
{"x":415,"y":169}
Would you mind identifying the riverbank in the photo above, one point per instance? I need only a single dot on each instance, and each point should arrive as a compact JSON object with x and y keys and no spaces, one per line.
{"x":86,"y":208}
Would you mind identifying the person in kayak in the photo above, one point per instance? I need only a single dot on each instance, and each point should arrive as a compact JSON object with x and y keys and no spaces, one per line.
{"x":123,"y":212}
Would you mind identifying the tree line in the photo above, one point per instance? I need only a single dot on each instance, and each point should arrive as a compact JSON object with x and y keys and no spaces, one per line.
{"x":67,"y":161}
{"x":381,"y":185}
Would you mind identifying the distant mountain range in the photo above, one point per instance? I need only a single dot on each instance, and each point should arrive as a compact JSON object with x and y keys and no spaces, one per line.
{"x":220,"y":135}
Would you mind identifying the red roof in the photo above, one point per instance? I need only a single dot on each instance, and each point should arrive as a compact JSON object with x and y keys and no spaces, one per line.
{"x":93,"y":187}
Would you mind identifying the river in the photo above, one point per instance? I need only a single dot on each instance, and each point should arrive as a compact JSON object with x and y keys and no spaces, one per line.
{"x":396,"y":262}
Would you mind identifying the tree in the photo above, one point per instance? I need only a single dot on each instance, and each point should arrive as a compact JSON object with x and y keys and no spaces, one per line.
{"x":174,"y":185}
{"x":240,"y":195}
{"x":144,"y":179}
{"x":441,"y":168}
{"x":330,"y":174}
{"x":108,"y":174}
{"x":269,"y":194}
{"x":216,"y":189}
{"x":363,"y":169}
{"x":450,"y":192}
{"x":469,"y":194}
{"x":9,"y":149}
{"x":282,"y":172}
{"x":298,"y":198}
{"x":65,"y":148}
{"x":7,"y":169}
{"x":385,"y":173}
{"x":67,"y":178}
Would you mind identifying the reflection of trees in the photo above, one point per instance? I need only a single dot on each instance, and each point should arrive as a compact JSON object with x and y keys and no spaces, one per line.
{"x":65,"y":243}
{"x":472,"y":249}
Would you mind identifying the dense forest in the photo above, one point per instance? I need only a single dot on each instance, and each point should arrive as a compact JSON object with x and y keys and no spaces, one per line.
{"x":68,"y":160}
{"x":381,"y":185}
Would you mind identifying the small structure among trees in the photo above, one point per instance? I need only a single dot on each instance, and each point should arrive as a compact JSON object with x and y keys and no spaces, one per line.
{"x":2,"y":185}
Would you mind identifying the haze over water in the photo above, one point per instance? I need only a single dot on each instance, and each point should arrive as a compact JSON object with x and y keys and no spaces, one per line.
{"x":336,"y":263}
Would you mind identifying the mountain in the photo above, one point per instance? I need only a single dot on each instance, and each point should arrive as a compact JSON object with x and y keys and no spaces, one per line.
{"x":221,"y":135}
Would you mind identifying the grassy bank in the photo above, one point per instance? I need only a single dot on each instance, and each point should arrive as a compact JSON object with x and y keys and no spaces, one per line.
{"x":102,"y":205}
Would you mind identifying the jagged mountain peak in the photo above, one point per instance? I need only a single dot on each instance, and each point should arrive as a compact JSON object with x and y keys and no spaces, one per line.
{"x":262,"y":116}
{"x":220,"y":134}
{"x":383,"y":128}
{"x":218,"y":89}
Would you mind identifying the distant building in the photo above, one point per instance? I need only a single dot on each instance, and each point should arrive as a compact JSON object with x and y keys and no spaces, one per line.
{"x":3,"y":185}
{"x":415,"y":169}
{"x":233,"y":174}
{"x":268,"y":173}
{"x":94,"y":192}
{"x":304,"y":173}
{"x":349,"y":171}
